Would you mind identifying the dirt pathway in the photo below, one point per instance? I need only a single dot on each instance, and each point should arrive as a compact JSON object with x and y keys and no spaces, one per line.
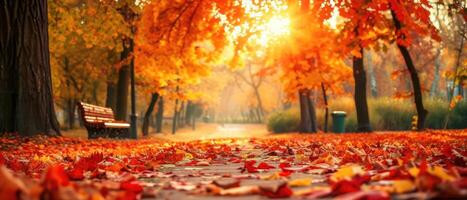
{"x":215,"y":131}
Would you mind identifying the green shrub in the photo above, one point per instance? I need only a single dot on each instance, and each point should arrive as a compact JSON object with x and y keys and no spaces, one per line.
{"x":390,"y":114}
{"x":385,"y":114}
{"x":284,"y":121}
{"x":437,"y":111}
{"x":458,"y":118}
{"x":350,"y":123}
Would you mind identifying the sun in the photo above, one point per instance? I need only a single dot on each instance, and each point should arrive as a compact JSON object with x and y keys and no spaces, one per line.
{"x":278,"y":26}
{"x":273,"y":29}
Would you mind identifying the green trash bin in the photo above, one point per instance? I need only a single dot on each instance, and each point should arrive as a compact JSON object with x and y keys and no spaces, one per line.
{"x":338,"y":121}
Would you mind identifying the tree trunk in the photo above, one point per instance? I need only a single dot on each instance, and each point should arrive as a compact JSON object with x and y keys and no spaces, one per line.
{"x":260,"y":105}
{"x":372,"y":76}
{"x":418,"y":98}
{"x":326,"y":108}
{"x":305,"y":118}
{"x":111,"y":98}
{"x":312,"y":113}
{"x":175,"y":116}
{"x":148,"y":113}
{"x":361,"y":104}
{"x":25,"y":79}
{"x":71,"y":107}
{"x":160,"y":115}
{"x":95,"y":87}
{"x":252,"y":116}
{"x":188,"y":113}
{"x":180,"y":117}
{"x":123,"y":82}
{"x":434,"y":84}
{"x":193,"y":122}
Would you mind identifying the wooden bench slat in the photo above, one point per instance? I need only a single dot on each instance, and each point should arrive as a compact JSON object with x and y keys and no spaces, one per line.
{"x":98,"y":115}
{"x":116,"y":125}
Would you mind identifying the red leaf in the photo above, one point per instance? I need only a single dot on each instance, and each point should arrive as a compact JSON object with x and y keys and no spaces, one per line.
{"x":285,"y":173}
{"x":2,"y":160}
{"x":365,"y":195}
{"x":89,"y":163}
{"x":347,"y":186}
{"x":131,"y":187}
{"x":76,"y":174}
{"x":264,"y":165}
{"x":55,"y":178}
{"x":462,"y":183}
{"x":249,"y":166}
{"x":284,"y":165}
{"x":283,"y":191}
{"x":427,"y":182}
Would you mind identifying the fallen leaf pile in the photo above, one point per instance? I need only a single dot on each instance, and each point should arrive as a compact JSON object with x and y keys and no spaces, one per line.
{"x":397,"y":165}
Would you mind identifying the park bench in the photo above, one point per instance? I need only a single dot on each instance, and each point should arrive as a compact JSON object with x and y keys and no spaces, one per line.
{"x":100,"y":122}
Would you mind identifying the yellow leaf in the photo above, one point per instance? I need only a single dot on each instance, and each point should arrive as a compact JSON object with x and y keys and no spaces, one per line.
{"x":400,"y":162}
{"x":274,"y":176}
{"x":300,"y":182}
{"x":301,"y":157}
{"x":346,"y":172}
{"x":441,"y":173}
{"x":414,"y":171}
{"x":188,"y":156}
{"x":403,"y":186}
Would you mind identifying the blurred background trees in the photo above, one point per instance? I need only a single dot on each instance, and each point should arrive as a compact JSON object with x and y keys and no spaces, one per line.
{"x":245,"y":61}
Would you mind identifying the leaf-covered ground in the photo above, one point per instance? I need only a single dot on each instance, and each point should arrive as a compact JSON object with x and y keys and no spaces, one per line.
{"x":399,"y":165}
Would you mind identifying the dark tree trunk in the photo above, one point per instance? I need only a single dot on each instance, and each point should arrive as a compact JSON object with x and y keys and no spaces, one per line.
{"x":252,"y":116}
{"x":361,"y":104}
{"x":326,"y":108}
{"x":418,"y":98}
{"x":259,"y":115}
{"x":95,"y":87}
{"x":193,"y":123}
{"x":434,"y":84}
{"x":180,"y":117}
{"x":312,"y":113}
{"x":111,"y":98}
{"x":123,"y":82}
{"x":148,"y":113}
{"x":25,"y":80}
{"x":160,"y":115}
{"x":260,"y":104}
{"x":305,"y":117}
{"x":188,"y":113}
{"x":71,"y":107}
{"x":175,"y":116}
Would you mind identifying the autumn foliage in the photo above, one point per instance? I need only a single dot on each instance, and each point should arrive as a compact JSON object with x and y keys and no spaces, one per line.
{"x":355,"y":166}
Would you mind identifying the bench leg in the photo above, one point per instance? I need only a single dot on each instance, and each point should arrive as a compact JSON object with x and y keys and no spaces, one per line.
{"x":94,"y":133}
{"x":91,"y":133}
{"x":119,"y":133}
{"x":126,"y":133}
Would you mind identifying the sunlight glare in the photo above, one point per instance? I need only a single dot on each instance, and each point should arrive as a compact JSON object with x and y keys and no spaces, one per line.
{"x":277,"y":26}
